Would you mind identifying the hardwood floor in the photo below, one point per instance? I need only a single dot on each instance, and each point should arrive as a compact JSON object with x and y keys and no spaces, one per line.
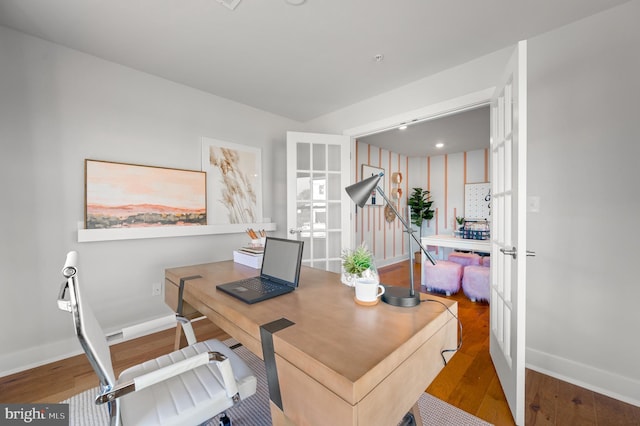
{"x":468,"y":382}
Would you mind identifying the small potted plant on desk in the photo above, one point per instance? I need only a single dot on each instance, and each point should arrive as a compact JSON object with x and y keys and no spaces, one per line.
{"x":356,"y":264}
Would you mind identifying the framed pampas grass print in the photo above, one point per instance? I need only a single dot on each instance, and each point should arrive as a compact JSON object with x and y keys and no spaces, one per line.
{"x":120,"y":195}
{"x":234,"y":174}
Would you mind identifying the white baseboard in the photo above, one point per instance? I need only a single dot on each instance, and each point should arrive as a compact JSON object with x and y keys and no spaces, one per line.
{"x":37,"y":356}
{"x":597,"y":380}
{"x":391,"y":261}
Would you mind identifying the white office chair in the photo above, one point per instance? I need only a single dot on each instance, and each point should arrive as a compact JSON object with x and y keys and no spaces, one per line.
{"x":185,"y":387}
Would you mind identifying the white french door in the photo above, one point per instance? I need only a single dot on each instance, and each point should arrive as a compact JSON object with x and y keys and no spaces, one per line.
{"x":508,"y":230}
{"x":318,"y":170}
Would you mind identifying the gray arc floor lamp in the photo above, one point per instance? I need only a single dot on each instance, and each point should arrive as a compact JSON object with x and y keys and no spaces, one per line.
{"x":396,"y":296}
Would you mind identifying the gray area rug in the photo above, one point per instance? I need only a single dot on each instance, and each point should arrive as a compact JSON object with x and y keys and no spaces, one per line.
{"x":254,"y":411}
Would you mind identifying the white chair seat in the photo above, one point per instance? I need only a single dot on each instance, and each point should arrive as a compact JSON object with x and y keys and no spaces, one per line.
{"x":184,"y":399}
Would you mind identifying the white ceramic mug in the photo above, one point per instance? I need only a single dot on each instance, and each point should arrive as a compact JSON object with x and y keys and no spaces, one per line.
{"x":368,"y":290}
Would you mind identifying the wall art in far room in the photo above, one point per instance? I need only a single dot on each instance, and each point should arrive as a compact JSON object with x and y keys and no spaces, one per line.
{"x":120,"y":195}
{"x":367,"y":171}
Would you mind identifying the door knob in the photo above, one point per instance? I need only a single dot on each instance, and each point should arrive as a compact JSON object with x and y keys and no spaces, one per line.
{"x":294,"y":231}
{"x":514,"y":252}
{"x":510,"y":252}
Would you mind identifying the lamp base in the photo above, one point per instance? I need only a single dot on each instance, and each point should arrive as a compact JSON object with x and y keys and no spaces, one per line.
{"x":400,"y":296}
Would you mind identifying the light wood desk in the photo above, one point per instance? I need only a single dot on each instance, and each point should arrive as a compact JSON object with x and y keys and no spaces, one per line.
{"x":339,"y":363}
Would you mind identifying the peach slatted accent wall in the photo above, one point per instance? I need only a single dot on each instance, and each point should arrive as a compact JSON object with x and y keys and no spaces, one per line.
{"x":444,"y":176}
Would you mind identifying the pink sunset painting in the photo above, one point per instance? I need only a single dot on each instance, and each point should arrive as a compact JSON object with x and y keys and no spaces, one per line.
{"x":119,"y":195}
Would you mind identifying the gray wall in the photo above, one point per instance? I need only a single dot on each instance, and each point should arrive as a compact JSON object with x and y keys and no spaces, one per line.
{"x":584,"y":146}
{"x":59,"y":106}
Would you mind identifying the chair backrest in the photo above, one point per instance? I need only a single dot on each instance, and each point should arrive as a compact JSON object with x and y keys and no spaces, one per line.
{"x":87,"y":328}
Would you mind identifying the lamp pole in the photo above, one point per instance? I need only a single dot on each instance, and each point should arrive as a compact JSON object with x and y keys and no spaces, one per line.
{"x":397,"y":295}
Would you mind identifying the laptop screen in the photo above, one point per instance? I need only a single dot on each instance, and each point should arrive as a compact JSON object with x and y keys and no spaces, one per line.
{"x":282,"y":259}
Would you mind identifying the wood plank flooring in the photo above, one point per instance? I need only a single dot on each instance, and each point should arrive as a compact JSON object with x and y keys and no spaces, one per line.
{"x":468,"y":382}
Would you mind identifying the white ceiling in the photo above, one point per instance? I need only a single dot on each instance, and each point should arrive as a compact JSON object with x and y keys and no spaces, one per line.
{"x":295,"y":61}
{"x":465,"y":131}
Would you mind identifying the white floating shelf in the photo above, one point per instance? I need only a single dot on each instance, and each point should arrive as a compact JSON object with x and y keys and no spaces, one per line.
{"x":112,"y":234}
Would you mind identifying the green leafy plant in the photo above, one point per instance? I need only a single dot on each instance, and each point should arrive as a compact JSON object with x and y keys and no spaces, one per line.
{"x":420,"y":205}
{"x":357,"y":261}
{"x":460,"y":220}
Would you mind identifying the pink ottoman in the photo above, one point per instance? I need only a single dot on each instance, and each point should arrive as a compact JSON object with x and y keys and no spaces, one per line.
{"x":465,"y":259}
{"x":444,"y":277}
{"x":475,"y":282}
{"x":486,"y":261}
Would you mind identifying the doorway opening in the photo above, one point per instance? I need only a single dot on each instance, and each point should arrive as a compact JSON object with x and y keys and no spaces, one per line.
{"x":385,"y":136}
{"x":462,"y":125}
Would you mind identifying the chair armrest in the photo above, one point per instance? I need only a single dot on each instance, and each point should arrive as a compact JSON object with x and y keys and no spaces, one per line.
{"x":147,"y":327}
{"x":69,"y":271}
{"x":145,"y":380}
{"x":64,"y":304}
{"x":187,"y":328}
{"x":144,"y":328}
{"x":141,"y":329}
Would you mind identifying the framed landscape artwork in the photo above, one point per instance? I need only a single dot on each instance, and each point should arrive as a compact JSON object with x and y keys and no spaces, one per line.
{"x":119,"y":195}
{"x":234,"y":186}
{"x":375,"y":199}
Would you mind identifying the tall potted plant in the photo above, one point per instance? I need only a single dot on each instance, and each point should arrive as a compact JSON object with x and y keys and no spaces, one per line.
{"x":420,"y":204}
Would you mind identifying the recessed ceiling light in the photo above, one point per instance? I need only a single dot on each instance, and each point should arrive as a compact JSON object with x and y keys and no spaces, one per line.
{"x":231,"y":4}
{"x":439,"y":145}
{"x":404,"y":126}
{"x":379,"y":57}
{"x":295,"y":2}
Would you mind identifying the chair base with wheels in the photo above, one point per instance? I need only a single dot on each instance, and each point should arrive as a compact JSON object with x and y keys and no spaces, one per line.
{"x":185,"y":387}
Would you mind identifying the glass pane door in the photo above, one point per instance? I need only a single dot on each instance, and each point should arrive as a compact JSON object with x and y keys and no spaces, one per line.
{"x":317,"y":214}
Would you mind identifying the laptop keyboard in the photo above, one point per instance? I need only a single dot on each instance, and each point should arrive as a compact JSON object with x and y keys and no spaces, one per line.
{"x":261,"y":286}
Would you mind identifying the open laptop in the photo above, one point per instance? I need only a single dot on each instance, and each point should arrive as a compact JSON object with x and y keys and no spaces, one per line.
{"x":279,"y":275}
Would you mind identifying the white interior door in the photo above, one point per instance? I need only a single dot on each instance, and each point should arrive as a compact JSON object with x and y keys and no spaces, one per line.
{"x":508,"y":230}
{"x":317,"y":205}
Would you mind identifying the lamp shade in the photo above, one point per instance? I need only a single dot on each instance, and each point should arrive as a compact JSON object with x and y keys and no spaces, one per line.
{"x":361,"y":191}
